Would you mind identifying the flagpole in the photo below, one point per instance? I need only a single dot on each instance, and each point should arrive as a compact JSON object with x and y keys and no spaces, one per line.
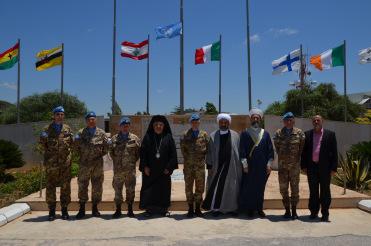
{"x":345,"y":84}
{"x":114,"y":58}
{"x":147,"y":108}
{"x":302,"y":72}
{"x":248,"y":52}
{"x":19,"y":81}
{"x":181,"y":106}
{"x":220,"y":75}
{"x":62,"y":73}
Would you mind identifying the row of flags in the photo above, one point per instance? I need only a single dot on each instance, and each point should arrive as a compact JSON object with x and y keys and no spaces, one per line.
{"x":326,"y":60}
{"x":45,"y":58}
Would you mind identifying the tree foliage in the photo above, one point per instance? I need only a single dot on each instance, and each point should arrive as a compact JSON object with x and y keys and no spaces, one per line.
{"x":323,"y":100}
{"x":38,"y":107}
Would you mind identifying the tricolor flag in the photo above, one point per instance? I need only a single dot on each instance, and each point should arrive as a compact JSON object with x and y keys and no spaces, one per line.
{"x":9,"y":57}
{"x":207,"y":53}
{"x":287,"y":63}
{"x":330,"y":58}
{"x":49,"y":58}
{"x":365,"y":56}
{"x":135,"y":51}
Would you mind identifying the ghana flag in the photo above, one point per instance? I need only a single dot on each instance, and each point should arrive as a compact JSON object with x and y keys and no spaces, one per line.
{"x":9,"y":57}
{"x":49,"y":58}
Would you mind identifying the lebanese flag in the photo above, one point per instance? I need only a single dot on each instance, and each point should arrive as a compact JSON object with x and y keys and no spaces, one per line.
{"x":207,"y":53}
{"x":330,"y":58}
{"x":135,"y":51}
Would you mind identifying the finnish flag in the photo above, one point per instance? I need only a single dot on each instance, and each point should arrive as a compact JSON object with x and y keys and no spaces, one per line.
{"x":287,"y":63}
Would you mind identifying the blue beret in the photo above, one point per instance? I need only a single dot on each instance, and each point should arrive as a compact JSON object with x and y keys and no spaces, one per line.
{"x":288,"y":115}
{"x":90,"y":114}
{"x":194,"y":117}
{"x":58,"y":109}
{"x":124,"y":120}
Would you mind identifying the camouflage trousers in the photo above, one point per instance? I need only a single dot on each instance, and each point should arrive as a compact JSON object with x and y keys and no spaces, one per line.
{"x":119,"y":179}
{"x":91,"y":171}
{"x":289,"y":175}
{"x":58,"y":177}
{"x":194,"y":176}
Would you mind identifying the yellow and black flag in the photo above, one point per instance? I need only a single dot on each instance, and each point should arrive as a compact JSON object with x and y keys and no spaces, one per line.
{"x":49,"y":58}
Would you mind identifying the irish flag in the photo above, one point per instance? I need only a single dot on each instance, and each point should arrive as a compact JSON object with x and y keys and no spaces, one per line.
{"x":207,"y":53}
{"x":330,"y":58}
{"x":9,"y":57}
{"x":135,"y":51}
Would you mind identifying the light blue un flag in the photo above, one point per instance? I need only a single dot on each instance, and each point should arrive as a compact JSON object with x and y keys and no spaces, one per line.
{"x":169,"y":31}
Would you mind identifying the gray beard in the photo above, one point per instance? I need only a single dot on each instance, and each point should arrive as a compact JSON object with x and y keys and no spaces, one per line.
{"x":255,"y":125}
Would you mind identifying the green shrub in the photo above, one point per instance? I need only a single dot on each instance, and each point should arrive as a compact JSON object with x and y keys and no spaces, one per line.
{"x":361,"y":149}
{"x":10,"y":157}
{"x":355,"y":172}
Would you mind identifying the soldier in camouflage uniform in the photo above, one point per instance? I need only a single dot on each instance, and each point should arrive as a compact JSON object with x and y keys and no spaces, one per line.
{"x":289,"y":143}
{"x":194,"y":148}
{"x":124,"y":151}
{"x":56,"y":140}
{"x":92,"y":144}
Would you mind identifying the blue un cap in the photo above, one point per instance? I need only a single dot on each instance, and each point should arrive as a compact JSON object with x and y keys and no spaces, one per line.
{"x":58,"y":109}
{"x":194,"y":117}
{"x":288,"y":115}
{"x":124,"y":120}
{"x":90,"y":114}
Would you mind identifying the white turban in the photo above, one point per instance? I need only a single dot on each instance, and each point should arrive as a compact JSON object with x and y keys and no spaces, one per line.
{"x":224,"y":117}
{"x":256,"y":111}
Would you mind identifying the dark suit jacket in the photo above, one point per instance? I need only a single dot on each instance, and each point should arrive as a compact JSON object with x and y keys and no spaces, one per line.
{"x":328,"y":155}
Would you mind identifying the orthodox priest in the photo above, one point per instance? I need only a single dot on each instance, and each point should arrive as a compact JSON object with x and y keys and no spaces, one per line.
{"x":256,"y":153}
{"x":158,"y":159}
{"x":224,"y":167}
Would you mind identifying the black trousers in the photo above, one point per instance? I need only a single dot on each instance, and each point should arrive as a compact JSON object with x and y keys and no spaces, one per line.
{"x":319,"y":179}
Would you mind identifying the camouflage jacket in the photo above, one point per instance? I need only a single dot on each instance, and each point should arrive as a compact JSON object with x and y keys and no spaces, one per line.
{"x":289,"y":146}
{"x":194,"y":149}
{"x":124,"y":153}
{"x":91,"y":148}
{"x":57,"y":147}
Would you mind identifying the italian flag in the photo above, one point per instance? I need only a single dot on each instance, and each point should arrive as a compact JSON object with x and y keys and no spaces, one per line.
{"x":207,"y":53}
{"x":135,"y":51}
{"x":9,"y":57}
{"x":330,"y":58}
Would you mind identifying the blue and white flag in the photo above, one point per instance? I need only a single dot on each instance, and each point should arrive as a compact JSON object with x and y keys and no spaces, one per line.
{"x":287,"y":63}
{"x":169,"y":31}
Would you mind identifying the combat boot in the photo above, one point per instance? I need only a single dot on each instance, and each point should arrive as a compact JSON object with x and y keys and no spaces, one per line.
{"x":294,"y":215}
{"x":118,"y":213}
{"x":94,"y":210}
{"x":51,"y":216}
{"x":65,"y":215}
{"x":190,"y":211}
{"x":287,"y":214}
{"x":130,"y":211}
{"x":198,"y":212}
{"x":81,"y":213}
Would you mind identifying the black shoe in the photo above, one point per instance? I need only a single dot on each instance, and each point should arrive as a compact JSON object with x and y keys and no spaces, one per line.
{"x":51,"y":216}
{"x":117,"y":213}
{"x":287,"y":214}
{"x":130,"y":211}
{"x":261,"y":214}
{"x":166,"y":214}
{"x":81,"y":213}
{"x":190,"y":213}
{"x":313,"y":216}
{"x":65,"y":215}
{"x":325,"y":218}
{"x":294,"y":215}
{"x":198,"y":212}
{"x":94,"y":211}
{"x":147,"y":214}
{"x":250,"y":213}
{"x":216,"y":213}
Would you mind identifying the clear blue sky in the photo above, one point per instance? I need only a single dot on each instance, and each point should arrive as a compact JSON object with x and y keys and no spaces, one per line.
{"x":277,"y":27}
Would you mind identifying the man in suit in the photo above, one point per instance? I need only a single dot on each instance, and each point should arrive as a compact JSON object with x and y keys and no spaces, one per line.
{"x":319,"y":160}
